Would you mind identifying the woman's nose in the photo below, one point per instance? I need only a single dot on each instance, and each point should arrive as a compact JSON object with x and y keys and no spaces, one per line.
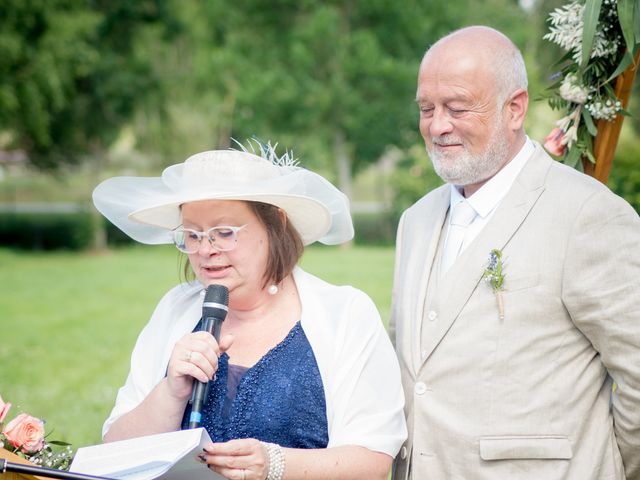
{"x":205,"y":247}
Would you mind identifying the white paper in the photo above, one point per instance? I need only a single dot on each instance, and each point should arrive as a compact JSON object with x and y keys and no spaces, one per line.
{"x":168,"y":456}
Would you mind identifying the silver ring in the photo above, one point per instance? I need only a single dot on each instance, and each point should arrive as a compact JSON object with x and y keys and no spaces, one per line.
{"x":187,"y":356}
{"x":244,"y":474}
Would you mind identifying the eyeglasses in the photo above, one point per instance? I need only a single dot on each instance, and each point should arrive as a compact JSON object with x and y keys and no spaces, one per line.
{"x":222,"y":238}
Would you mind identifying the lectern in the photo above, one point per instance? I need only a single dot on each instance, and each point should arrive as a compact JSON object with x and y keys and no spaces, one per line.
{"x":12,"y":457}
{"x":13,"y":467}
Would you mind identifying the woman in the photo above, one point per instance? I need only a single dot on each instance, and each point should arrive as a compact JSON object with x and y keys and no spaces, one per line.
{"x":304,"y":382}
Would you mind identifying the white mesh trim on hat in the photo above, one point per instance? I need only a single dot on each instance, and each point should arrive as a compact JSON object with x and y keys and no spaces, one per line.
{"x":318,"y":210}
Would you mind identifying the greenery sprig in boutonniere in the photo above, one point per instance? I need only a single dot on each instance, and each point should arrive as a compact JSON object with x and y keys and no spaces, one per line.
{"x":494,"y":276}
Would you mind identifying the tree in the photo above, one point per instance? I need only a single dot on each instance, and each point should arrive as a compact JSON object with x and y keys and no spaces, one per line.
{"x":71,"y":74}
{"x":334,"y":79}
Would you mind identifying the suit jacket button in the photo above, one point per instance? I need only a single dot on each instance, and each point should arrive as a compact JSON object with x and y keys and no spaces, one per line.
{"x":419,"y":388}
{"x":432,"y":315}
{"x":403,"y":452}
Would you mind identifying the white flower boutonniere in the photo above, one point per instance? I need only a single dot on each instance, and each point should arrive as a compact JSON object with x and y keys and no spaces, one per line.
{"x":494,"y":276}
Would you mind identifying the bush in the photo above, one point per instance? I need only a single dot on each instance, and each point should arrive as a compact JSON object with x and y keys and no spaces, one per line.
{"x":56,"y":230}
{"x":413,"y":178}
{"x":625,"y":173}
{"x":375,"y":228}
{"x":115,"y":236}
{"x":46,"y":231}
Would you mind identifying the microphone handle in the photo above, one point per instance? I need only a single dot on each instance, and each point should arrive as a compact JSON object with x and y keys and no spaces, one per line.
{"x":200,"y":391}
{"x":217,"y":326}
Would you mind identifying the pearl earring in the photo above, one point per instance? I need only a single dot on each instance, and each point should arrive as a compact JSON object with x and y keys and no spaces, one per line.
{"x":272,"y":290}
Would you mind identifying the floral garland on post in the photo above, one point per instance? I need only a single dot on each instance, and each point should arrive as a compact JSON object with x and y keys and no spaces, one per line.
{"x":601,"y":38}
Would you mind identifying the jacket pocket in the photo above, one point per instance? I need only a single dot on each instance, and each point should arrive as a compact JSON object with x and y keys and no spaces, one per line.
{"x":513,"y":284}
{"x":525,"y":447}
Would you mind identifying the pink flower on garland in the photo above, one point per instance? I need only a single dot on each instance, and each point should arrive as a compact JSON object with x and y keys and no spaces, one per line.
{"x":4,"y":409}
{"x":554,"y":142}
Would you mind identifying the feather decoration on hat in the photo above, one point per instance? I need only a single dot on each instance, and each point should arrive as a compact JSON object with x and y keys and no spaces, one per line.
{"x":268,"y":152}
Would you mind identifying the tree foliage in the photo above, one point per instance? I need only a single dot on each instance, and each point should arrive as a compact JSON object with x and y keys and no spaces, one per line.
{"x":334,"y":80}
{"x":70,"y":74}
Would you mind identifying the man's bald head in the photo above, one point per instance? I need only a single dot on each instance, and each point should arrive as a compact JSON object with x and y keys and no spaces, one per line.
{"x":479,"y":43}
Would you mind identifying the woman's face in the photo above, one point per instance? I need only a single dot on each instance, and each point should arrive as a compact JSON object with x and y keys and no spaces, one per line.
{"x":242,"y":269}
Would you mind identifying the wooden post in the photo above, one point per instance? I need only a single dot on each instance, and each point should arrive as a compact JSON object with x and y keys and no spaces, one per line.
{"x":12,"y":457}
{"x":604,"y":145}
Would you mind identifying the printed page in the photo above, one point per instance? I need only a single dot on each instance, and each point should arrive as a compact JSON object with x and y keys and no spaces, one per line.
{"x":170,"y":456}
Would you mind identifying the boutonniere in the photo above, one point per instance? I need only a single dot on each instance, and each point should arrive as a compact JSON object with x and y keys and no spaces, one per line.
{"x":494,"y":276}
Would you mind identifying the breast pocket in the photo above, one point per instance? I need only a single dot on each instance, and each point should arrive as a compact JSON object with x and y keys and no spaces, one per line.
{"x":525,"y":447}
{"x":520,"y":283}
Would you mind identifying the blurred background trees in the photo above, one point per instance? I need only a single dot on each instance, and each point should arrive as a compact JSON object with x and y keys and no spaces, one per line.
{"x":73,"y":74}
{"x":93,"y":88}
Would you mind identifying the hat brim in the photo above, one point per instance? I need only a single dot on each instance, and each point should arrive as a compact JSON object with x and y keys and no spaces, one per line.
{"x":310,"y":218}
{"x":148,"y":208}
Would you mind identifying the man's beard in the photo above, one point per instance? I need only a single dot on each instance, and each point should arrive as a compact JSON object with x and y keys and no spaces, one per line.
{"x":465,"y":168}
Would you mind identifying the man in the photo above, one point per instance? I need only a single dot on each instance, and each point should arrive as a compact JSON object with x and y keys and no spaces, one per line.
{"x":516,"y":301}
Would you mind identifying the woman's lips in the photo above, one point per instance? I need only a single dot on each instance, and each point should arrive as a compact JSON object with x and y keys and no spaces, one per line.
{"x":215,"y":270}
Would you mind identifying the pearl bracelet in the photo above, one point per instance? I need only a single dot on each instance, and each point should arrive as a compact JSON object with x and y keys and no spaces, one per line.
{"x":276,"y":461}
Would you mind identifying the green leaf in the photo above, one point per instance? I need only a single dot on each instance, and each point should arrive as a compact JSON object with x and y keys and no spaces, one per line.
{"x":572,"y":157}
{"x":636,"y":22}
{"x":590,"y":21}
{"x":624,"y":64}
{"x":588,"y":121}
{"x":59,"y":443}
{"x":565,"y":60}
{"x":590,"y":156}
{"x":625,"y":17}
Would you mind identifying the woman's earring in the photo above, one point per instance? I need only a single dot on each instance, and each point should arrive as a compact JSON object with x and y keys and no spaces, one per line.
{"x":272,"y":290}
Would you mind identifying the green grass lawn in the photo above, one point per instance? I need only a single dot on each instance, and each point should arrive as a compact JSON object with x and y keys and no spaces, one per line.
{"x":68,"y":322}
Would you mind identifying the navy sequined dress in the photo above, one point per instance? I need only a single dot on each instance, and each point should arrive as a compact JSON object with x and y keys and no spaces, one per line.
{"x":280,"y":399}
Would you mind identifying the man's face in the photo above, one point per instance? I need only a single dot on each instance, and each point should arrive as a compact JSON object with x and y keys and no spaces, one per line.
{"x":460,"y":119}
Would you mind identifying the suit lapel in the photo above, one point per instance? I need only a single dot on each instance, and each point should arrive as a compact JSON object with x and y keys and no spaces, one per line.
{"x":457,"y":286}
{"x":423,"y":245}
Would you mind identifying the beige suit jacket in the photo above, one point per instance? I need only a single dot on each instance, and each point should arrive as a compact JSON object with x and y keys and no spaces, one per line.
{"x":529,"y":396}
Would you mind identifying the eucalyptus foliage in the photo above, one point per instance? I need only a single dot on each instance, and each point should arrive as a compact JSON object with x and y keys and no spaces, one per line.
{"x":601,"y":39}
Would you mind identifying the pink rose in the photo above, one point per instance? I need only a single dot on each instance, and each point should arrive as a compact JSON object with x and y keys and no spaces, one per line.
{"x":26,"y":433}
{"x":4,"y":409}
{"x":554,"y":142}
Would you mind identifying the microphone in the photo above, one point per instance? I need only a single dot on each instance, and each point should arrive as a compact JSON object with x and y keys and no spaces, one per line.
{"x":214,"y":311}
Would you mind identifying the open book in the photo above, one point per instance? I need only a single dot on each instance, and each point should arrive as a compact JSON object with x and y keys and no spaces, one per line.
{"x":169,"y":456}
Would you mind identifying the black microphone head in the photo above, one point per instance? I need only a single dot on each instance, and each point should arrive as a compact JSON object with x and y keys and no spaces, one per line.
{"x":216,"y":301}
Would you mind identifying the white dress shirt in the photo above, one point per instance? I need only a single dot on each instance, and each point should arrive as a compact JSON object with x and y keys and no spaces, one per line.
{"x":486,"y":199}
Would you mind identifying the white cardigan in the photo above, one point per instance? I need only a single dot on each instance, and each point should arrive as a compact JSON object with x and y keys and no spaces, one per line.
{"x":357,"y":362}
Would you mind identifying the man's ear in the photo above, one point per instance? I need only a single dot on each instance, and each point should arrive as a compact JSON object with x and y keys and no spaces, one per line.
{"x":516,"y":108}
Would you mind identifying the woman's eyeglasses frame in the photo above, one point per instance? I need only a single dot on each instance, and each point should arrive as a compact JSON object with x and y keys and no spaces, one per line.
{"x":215,"y":235}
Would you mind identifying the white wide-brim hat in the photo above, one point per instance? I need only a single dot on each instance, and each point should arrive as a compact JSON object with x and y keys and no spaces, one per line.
{"x":148,"y":208}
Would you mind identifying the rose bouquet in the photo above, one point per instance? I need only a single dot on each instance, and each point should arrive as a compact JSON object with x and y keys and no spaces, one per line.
{"x":25,"y":436}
